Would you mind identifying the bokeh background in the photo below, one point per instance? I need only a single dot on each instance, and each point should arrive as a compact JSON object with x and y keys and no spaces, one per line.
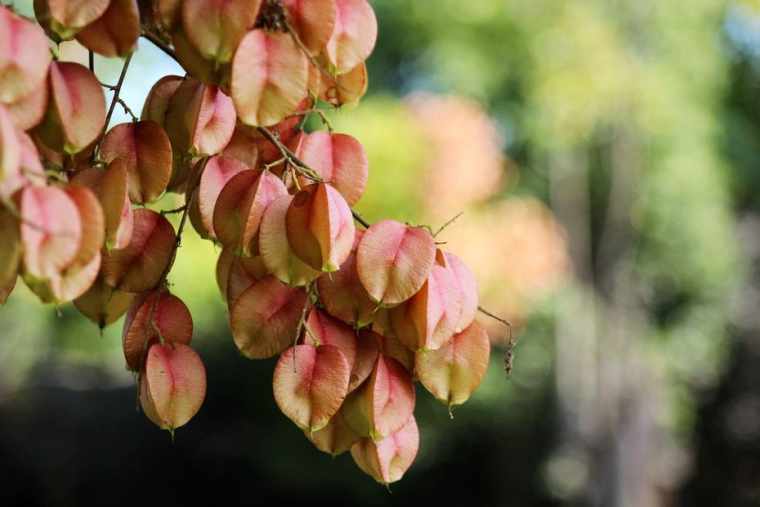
{"x":606,"y":156}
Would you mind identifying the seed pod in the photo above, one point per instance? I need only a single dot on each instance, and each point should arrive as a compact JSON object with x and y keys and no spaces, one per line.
{"x":24,"y":56}
{"x":387,"y":460}
{"x":200,"y":118}
{"x":110,"y":187}
{"x":428,"y":319}
{"x":64,"y":18}
{"x":275,"y":249}
{"x":145,"y":148}
{"x":354,"y":34}
{"x":102,"y":304}
{"x":343,"y":294}
{"x":310,"y":384}
{"x":454,"y":371}
{"x":268,"y":78}
{"x":76,"y":109}
{"x":217,"y":172}
{"x":320,"y":227}
{"x":115,"y":33}
{"x":394,"y":261}
{"x":335,"y":438}
{"x":172,"y":385}
{"x":155,"y":316}
{"x":264,"y":319}
{"x":235,"y":273}
{"x":313,"y":21}
{"x":159,"y":96}
{"x":240,"y":208}
{"x":138,"y":267}
{"x":467,"y":288}
{"x":215,"y":28}
{"x":339,"y":159}
{"x":383,"y":403}
{"x":361,"y":354}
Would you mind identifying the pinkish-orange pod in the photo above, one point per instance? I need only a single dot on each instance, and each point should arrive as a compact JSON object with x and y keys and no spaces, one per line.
{"x":320,"y":227}
{"x":339,"y":159}
{"x":24,"y":56}
{"x":387,"y":460}
{"x":313,"y":21}
{"x":147,"y":152}
{"x":354,"y":35}
{"x":268,"y":78}
{"x":156,"y":316}
{"x":115,"y":33}
{"x":139,"y":266}
{"x":394,"y":261}
{"x":172,"y":385}
{"x":310,"y":384}
{"x":215,"y":28}
{"x":383,"y":403}
{"x":265,"y":318}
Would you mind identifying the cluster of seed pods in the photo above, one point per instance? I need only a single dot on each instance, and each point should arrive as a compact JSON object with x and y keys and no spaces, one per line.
{"x":356,"y":313}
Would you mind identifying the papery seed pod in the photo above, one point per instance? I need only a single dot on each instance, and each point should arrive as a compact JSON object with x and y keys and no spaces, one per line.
{"x":268,"y":78}
{"x":240,"y":208}
{"x":24,"y":56}
{"x":310,"y":384}
{"x":76,"y":277}
{"x":64,"y":18}
{"x":110,"y":187}
{"x":195,"y":65}
{"x":343,"y":294}
{"x":27,"y":111}
{"x":320,"y":227}
{"x":454,"y":371}
{"x":390,"y":346}
{"x":275,"y":249}
{"x":394,"y":260}
{"x":115,"y":33}
{"x":361,"y":355}
{"x":215,"y":28}
{"x":76,"y":109}
{"x":264,"y":319}
{"x":387,"y":460}
{"x":51,"y":231}
{"x":345,"y":89}
{"x":235,"y":273}
{"x":354,"y":35}
{"x":216,"y":173}
{"x":381,"y":405}
{"x":138,"y":267}
{"x":313,"y":21}
{"x":102,"y":304}
{"x":10,"y":148}
{"x":467,"y":287}
{"x":428,"y":319}
{"x":147,"y":151}
{"x":172,"y":385}
{"x":159,"y":96}
{"x":157,"y":316}
{"x":200,"y":118}
{"x":339,"y":159}
{"x":30,"y":170}
{"x":242,"y":148}
{"x":335,"y":438}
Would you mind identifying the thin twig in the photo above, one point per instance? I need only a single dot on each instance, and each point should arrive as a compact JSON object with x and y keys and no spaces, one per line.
{"x":360,"y":219}
{"x":299,"y":164}
{"x":117,"y":91}
{"x":450,"y":221}
{"x":127,"y":110}
{"x":92,"y":61}
{"x":511,"y":341}
{"x":175,"y":210}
